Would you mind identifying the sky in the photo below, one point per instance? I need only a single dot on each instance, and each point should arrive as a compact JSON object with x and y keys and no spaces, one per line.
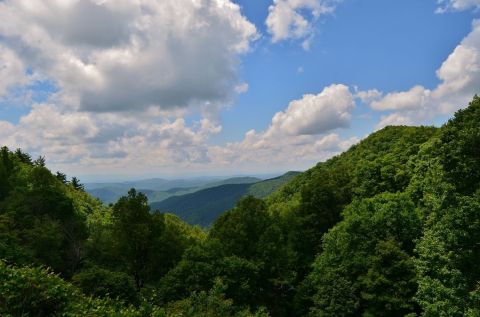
{"x":129,"y":89}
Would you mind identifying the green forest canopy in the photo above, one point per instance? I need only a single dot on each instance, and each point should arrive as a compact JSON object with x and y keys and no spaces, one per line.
{"x":390,"y":227}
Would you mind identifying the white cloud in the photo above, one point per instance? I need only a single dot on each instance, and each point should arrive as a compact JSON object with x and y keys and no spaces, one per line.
{"x":413,"y":98}
{"x":460,"y":73}
{"x":241,"y":88}
{"x":459,"y":78}
{"x":299,"y":136}
{"x":287,"y":19}
{"x":315,"y":114}
{"x":103,"y":143}
{"x":86,"y":142}
{"x":368,"y":96}
{"x":12,"y":70}
{"x":457,"y":5}
{"x":155,"y":59}
{"x":108,"y":56}
{"x":108,"y":142}
{"x":258,"y":150}
{"x":396,"y":118}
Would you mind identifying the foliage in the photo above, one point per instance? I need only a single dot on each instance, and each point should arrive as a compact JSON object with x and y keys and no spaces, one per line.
{"x":39,"y":292}
{"x":390,"y":227}
{"x":100,"y":282}
{"x":204,"y":206}
{"x":366,"y":266}
{"x":210,"y":304}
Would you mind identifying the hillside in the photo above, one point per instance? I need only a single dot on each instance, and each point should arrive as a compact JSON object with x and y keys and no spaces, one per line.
{"x":158,"y":189}
{"x":390,"y":227}
{"x":231,"y":181}
{"x":155,"y":188}
{"x":264,"y":188}
{"x":202,"y":207}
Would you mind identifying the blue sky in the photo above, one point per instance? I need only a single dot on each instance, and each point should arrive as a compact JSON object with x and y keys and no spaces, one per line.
{"x":388,"y":45}
{"x":215,"y":87}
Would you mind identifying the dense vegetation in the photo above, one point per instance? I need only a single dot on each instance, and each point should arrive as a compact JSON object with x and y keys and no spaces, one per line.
{"x":204,"y":206}
{"x":389,"y":228}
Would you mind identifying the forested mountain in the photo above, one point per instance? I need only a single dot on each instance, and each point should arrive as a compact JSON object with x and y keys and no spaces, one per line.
{"x":390,"y":227}
{"x":203,"y":207}
{"x":158,"y":189}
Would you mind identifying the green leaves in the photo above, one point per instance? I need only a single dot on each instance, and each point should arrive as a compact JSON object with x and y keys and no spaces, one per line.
{"x":240,"y":228}
{"x":210,"y":304}
{"x":460,"y":148}
{"x":137,"y":235}
{"x":389,"y":228}
{"x":366,"y":265}
{"x":449,"y":254}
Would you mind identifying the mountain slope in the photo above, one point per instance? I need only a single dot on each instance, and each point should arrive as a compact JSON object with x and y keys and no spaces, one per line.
{"x":204,"y":206}
{"x":158,"y":189}
{"x":388,"y":228}
{"x":264,"y":188}
{"x":376,"y":164}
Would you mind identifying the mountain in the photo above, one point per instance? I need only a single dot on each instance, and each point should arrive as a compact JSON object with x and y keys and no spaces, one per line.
{"x":264,"y":188}
{"x":105,"y":194}
{"x":158,"y":184}
{"x":390,"y":227}
{"x":233,"y":180}
{"x":158,"y":189}
{"x":202,"y":207}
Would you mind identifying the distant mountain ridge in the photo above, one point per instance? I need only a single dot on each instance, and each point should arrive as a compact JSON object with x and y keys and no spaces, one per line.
{"x":204,"y":206}
{"x":158,"y":189}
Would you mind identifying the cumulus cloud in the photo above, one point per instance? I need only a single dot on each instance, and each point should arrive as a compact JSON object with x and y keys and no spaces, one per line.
{"x":315,"y":114}
{"x":459,"y":78}
{"x":108,"y":141}
{"x":368,"y":96}
{"x":413,"y":98}
{"x":300,"y":135}
{"x":258,"y":150}
{"x":457,"y":5}
{"x":12,"y":70}
{"x":84,"y":142}
{"x":157,"y":59}
{"x":294,"y":19}
{"x":110,"y":56}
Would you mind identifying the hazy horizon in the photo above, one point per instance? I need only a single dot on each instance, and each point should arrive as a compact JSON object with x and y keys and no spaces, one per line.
{"x":92,"y":179}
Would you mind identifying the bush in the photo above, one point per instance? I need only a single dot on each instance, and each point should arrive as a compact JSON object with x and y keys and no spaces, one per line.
{"x":99,"y":282}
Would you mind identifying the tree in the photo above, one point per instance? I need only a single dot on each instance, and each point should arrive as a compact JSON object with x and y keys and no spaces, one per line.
{"x":210,"y":304}
{"x":76,"y":184}
{"x":136,"y":234}
{"x":460,"y":149}
{"x":6,"y":170}
{"x":61,"y":177}
{"x":195,"y":272}
{"x":366,"y":266}
{"x":23,"y":157}
{"x":40,"y":161}
{"x":449,"y":254}
{"x":100,"y":282}
{"x":322,"y":200}
{"x":46,"y":221}
{"x":240,"y":229}
{"x":389,"y":286}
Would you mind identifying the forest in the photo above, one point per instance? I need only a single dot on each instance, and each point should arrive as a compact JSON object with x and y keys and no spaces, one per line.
{"x":390,"y":227}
